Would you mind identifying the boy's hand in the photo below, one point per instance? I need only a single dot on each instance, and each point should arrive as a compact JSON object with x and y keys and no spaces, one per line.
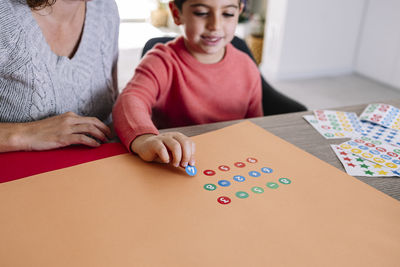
{"x":173,"y":147}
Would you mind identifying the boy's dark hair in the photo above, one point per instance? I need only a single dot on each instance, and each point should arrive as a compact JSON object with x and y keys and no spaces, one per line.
{"x":179,"y":3}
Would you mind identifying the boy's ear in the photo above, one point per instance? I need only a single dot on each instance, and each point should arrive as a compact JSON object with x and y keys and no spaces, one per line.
{"x":175,"y":13}
{"x":241,"y":7}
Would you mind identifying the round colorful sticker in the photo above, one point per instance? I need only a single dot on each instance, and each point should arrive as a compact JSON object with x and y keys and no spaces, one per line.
{"x":254,"y":174}
{"x":224,"y":168}
{"x":242,"y":194}
{"x":191,"y":170}
{"x":285,"y":181}
{"x":210,"y":187}
{"x":266,"y":170}
{"x":239,"y":164}
{"x":224,"y":200}
{"x":209,"y":172}
{"x":272,"y":185}
{"x":224,"y":183}
{"x":239,"y":178}
{"x":257,"y":190}
{"x":252,"y":160}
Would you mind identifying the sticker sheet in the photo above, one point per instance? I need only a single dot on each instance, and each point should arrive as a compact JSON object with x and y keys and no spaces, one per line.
{"x":375,"y":151}
{"x":357,"y":166}
{"x":346,"y":123}
{"x":325,"y":132}
{"x":381,"y":133}
{"x":382,"y":114}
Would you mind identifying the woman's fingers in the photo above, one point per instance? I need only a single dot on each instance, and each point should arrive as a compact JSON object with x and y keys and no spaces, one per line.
{"x":89,"y":129}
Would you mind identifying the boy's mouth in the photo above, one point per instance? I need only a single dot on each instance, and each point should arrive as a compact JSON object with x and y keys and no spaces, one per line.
{"x":211,"y":40}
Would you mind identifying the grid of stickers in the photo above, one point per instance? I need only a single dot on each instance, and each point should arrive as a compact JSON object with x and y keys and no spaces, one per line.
{"x":374,"y":148}
{"x":239,"y":179}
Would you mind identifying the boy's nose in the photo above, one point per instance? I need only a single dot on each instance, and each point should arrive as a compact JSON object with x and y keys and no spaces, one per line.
{"x":214,"y":23}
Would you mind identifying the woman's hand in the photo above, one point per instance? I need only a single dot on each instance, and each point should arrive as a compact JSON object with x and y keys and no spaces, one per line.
{"x":53,"y":132}
{"x":173,"y":147}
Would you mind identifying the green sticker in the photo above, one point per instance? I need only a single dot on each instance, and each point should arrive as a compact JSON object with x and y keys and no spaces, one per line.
{"x":365,"y":138}
{"x":257,"y":190}
{"x":210,"y":187}
{"x":376,"y":142}
{"x":272,"y":185}
{"x":242,"y":194}
{"x":285,"y":181}
{"x":329,"y":135}
{"x":396,"y":150}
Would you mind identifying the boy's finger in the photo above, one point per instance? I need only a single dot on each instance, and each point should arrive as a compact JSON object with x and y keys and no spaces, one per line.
{"x":186,"y":145}
{"x":161,"y":153}
{"x":176,"y":150}
{"x":192,"y":160}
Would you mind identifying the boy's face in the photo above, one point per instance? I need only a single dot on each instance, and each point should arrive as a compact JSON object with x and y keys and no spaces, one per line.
{"x":209,"y":25}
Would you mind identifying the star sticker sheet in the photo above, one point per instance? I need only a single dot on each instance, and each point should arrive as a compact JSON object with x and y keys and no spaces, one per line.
{"x":382,"y":114}
{"x":375,"y":151}
{"x":256,"y":200}
{"x":346,"y":123}
{"x":357,"y":166}
{"x":326,"y":132}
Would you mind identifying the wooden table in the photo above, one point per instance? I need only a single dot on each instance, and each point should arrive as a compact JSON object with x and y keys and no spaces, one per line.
{"x":294,"y":129}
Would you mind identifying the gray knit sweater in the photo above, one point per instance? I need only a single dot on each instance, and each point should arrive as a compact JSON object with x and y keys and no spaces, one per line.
{"x":35,"y":83}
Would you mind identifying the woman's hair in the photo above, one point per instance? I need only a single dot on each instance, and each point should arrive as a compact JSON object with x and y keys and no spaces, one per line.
{"x":179,"y":3}
{"x":39,"y":4}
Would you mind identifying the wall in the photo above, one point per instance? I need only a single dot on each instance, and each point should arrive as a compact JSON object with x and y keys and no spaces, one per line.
{"x":379,"y":53}
{"x":311,"y":38}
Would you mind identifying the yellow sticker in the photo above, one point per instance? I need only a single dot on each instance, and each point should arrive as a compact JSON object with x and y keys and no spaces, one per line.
{"x":391,"y":165}
{"x":367,"y":155}
{"x":379,"y":160}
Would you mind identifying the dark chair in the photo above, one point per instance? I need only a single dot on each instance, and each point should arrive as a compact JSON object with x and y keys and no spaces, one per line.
{"x":273,"y":102}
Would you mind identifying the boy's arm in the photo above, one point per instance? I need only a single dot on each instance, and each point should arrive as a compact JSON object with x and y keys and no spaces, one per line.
{"x":132,"y":111}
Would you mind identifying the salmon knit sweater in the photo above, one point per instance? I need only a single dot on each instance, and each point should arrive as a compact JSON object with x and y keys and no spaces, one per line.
{"x":171,"y":88}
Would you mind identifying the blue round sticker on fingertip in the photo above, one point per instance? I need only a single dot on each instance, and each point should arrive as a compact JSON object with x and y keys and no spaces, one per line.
{"x":191,"y":170}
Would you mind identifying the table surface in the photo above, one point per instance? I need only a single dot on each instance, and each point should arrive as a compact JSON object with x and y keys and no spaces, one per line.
{"x":294,"y":129}
{"x":290,"y":127}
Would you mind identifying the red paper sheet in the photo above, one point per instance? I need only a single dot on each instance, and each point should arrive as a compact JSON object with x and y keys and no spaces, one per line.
{"x":16,"y":165}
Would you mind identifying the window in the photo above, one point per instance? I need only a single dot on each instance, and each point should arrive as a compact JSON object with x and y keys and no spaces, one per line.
{"x":135,"y":10}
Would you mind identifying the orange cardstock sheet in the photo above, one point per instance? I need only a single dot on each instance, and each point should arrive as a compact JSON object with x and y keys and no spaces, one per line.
{"x":121,"y":211}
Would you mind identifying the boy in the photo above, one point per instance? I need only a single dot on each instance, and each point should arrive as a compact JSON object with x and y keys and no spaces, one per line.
{"x":197,"y":78}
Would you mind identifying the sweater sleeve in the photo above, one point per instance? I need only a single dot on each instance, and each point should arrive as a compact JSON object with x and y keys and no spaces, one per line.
{"x":133,"y":109}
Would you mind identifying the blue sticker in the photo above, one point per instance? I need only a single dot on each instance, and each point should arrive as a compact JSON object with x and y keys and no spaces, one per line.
{"x":254,"y":174}
{"x":266,"y":170}
{"x":191,"y":170}
{"x":239,"y":178}
{"x":224,"y":183}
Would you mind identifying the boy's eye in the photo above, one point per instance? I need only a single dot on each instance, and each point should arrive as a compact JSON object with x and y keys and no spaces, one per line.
{"x":228,"y":15}
{"x":200,"y":14}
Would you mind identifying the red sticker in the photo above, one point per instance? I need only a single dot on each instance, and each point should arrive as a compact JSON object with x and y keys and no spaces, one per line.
{"x":251,"y":160}
{"x":209,"y":172}
{"x":369,"y":145}
{"x":381,"y":149}
{"x":240,"y":164}
{"x":359,"y":141}
{"x":224,"y":168}
{"x":392,"y":154}
{"x":326,"y":127}
{"x":224,"y":200}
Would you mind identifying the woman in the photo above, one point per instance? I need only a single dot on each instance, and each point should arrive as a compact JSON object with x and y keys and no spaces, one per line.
{"x":58,"y":63}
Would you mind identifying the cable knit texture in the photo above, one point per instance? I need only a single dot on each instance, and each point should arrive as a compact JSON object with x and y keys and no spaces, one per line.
{"x":35,"y":83}
{"x":171,"y":88}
